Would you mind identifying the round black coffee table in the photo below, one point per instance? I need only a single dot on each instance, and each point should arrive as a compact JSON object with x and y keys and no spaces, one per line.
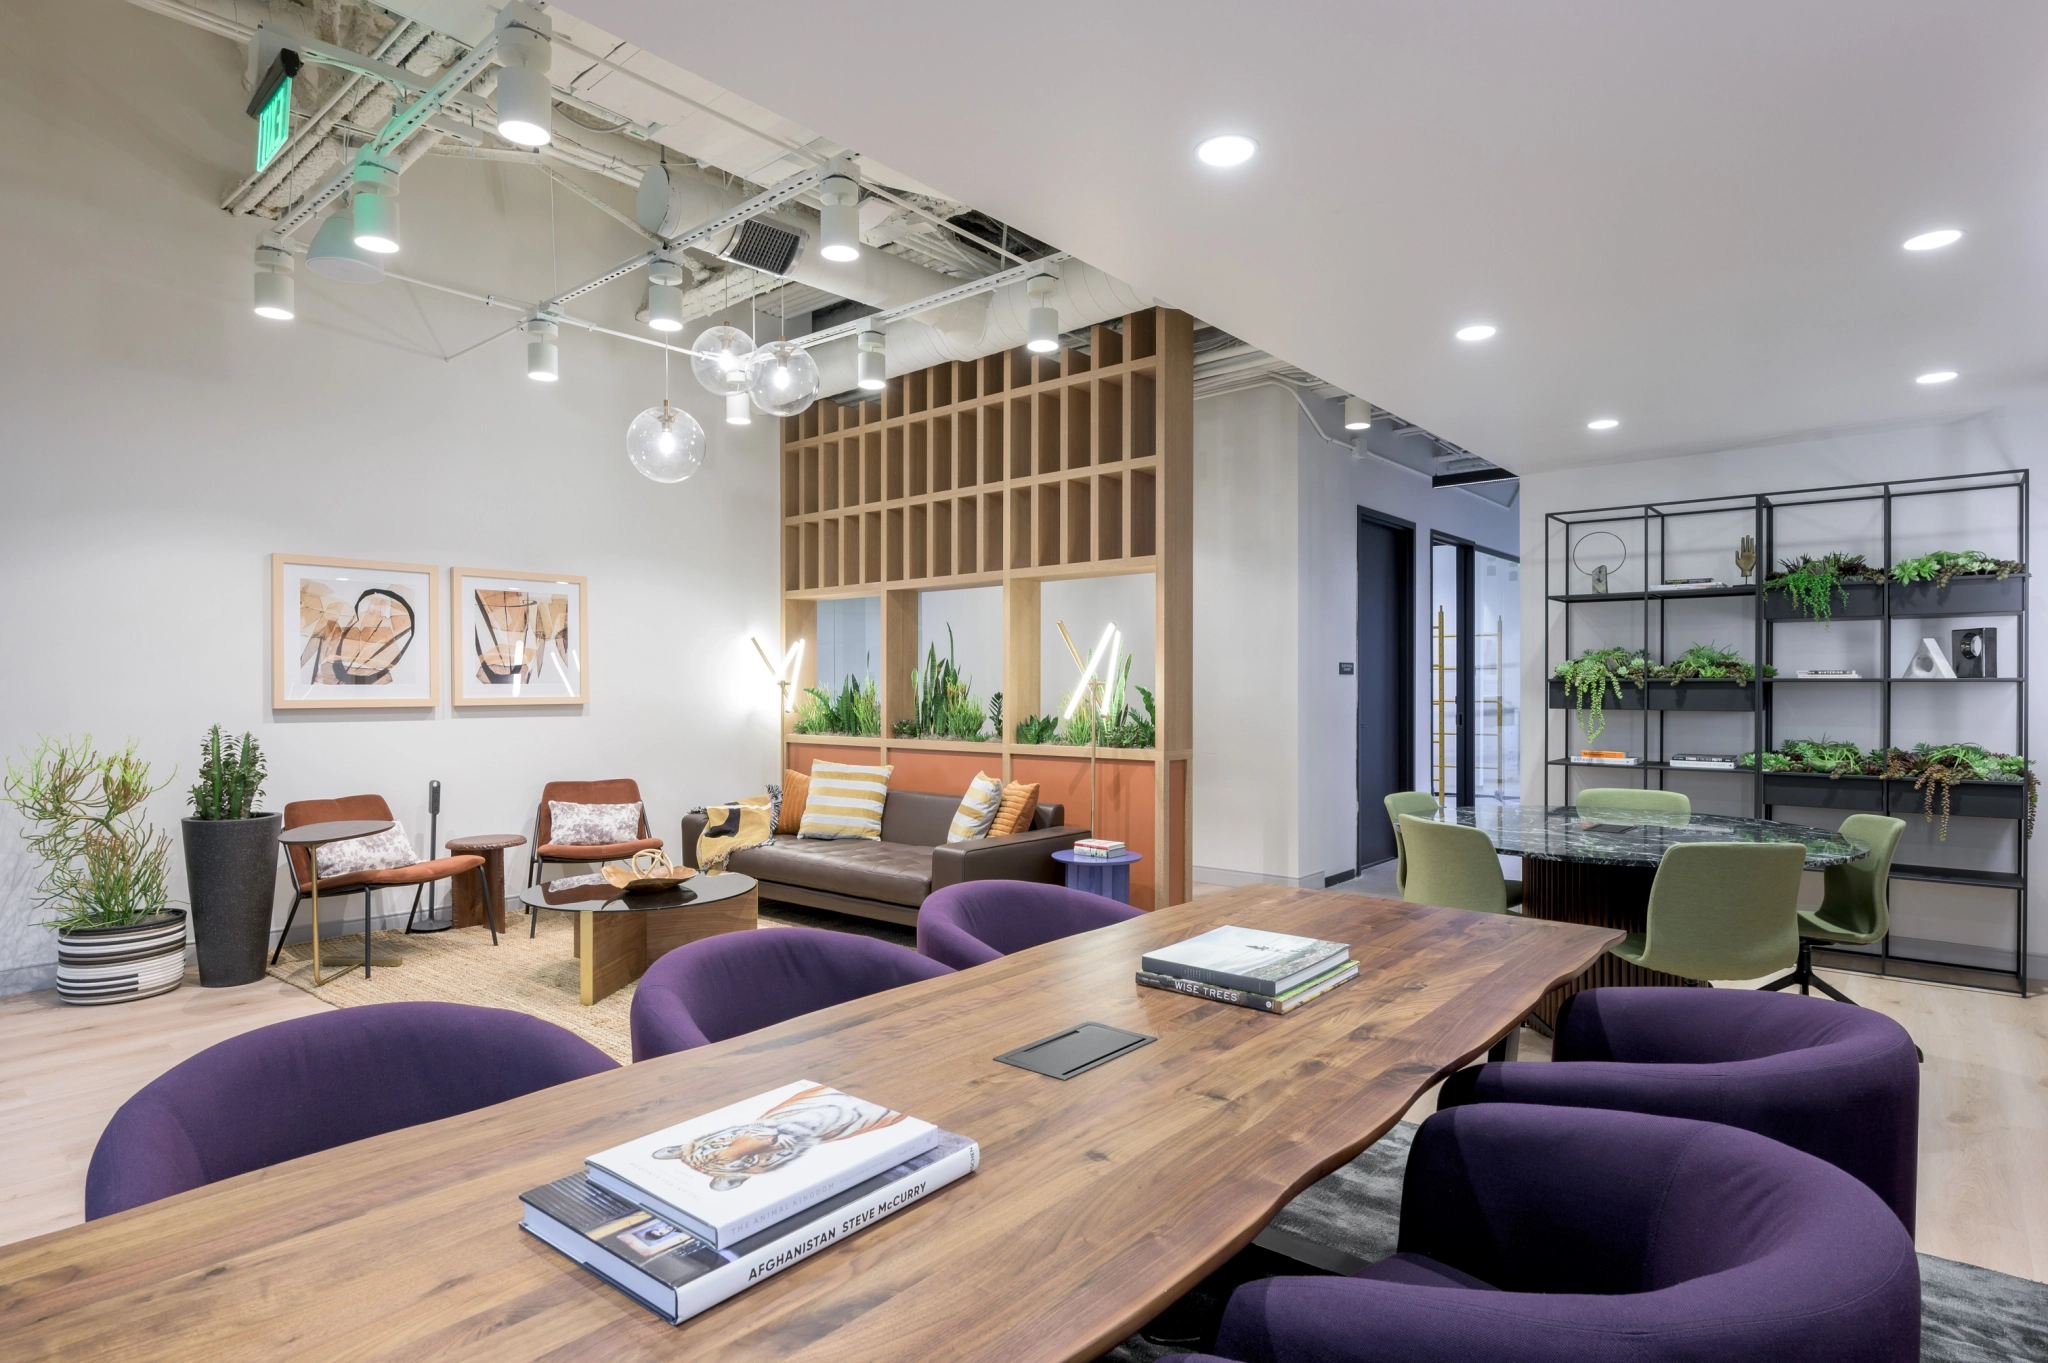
{"x":618,"y":935}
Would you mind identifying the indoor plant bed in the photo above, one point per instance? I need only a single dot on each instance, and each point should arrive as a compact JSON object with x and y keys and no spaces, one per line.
{"x":1950,"y":583}
{"x":1838,"y":584}
{"x":230,"y":862}
{"x":107,"y":880}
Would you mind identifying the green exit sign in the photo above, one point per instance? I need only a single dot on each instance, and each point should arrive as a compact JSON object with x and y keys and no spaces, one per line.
{"x":271,"y":107}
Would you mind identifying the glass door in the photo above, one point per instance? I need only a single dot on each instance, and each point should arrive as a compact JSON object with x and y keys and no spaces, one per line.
{"x":1474,"y":674}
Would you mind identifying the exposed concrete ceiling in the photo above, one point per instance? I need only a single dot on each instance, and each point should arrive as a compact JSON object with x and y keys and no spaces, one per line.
{"x":1685,"y":216}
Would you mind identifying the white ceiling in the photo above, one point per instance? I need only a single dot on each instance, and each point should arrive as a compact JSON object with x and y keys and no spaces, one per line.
{"x":1683,"y":215}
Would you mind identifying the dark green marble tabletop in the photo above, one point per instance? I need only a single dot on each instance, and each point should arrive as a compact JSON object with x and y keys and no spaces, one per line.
{"x":1639,"y":839}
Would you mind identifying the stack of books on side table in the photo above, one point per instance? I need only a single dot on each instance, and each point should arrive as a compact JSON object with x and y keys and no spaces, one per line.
{"x":1098,"y":847}
{"x":690,"y":1215}
{"x":1269,"y":971}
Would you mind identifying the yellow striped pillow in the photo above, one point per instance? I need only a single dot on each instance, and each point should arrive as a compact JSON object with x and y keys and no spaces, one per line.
{"x":845,"y":801}
{"x":978,"y":810}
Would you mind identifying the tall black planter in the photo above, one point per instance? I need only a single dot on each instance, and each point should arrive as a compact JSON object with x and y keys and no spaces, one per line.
{"x":231,"y":873}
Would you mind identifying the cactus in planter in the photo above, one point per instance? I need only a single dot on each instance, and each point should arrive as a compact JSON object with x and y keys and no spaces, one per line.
{"x":231,"y":775}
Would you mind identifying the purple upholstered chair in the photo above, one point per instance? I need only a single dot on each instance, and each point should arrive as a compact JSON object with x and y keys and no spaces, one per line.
{"x":978,"y":921}
{"x":1833,"y":1080}
{"x":739,"y":982}
{"x":294,"y":1088}
{"x":1571,"y":1235}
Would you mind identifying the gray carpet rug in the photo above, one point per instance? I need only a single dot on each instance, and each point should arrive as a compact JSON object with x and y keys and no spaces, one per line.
{"x":1968,"y":1314}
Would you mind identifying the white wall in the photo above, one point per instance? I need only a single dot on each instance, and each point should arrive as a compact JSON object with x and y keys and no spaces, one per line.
{"x":160,"y":442}
{"x":1276,"y":610}
{"x":1969,"y":926}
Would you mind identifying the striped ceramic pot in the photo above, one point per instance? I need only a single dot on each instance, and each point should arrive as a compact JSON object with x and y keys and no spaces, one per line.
{"x":114,"y":965}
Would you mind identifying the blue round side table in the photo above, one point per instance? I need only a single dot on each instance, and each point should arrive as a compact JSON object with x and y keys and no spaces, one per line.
{"x":1107,"y":876}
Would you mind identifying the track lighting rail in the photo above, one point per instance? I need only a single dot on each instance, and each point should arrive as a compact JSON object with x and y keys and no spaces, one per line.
{"x":986,"y":284}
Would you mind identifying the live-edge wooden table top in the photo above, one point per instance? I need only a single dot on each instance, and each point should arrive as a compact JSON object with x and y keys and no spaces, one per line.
{"x":1099,"y":1199}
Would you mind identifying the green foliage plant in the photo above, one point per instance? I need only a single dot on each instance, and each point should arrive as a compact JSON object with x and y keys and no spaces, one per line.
{"x":1944,"y":565}
{"x":1038,"y":729}
{"x":945,"y":703}
{"x":231,"y":775}
{"x":855,"y":712}
{"x":1588,"y":677}
{"x":995,"y":715}
{"x":1931,"y":767}
{"x":1815,"y":582}
{"x":1705,"y":662}
{"x":106,"y":867}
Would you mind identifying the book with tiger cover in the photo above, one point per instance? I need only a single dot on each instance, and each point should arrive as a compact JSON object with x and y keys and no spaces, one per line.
{"x":677,"y":1275}
{"x":727,"y":1174}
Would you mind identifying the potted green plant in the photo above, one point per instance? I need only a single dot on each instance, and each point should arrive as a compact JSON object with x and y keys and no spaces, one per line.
{"x":1583,"y":684}
{"x":107,"y":881}
{"x":1810,"y":587}
{"x":1963,"y":582}
{"x":230,"y":861}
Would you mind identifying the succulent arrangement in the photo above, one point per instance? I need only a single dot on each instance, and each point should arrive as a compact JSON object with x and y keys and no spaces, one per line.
{"x":231,"y":775}
{"x":1815,"y":582}
{"x":1944,"y":565}
{"x":1589,"y":677}
{"x":1931,"y":767}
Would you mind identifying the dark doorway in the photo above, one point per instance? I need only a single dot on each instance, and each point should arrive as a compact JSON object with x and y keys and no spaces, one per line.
{"x":1386,"y":676}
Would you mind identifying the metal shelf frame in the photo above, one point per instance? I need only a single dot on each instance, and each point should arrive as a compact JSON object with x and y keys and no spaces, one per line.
{"x":1653,"y":520}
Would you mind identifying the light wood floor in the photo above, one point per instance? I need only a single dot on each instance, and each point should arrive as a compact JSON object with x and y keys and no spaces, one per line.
{"x":1983,"y":1100}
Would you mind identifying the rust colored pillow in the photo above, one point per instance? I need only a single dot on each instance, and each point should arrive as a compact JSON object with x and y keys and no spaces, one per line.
{"x":1020,"y":802}
{"x":796,"y":792}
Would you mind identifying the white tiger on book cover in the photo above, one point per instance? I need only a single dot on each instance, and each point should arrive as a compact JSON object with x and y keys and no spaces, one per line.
{"x":782,"y":1135}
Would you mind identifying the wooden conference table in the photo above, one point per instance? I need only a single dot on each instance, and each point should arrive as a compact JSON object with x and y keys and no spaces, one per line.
{"x":1099,"y":1199}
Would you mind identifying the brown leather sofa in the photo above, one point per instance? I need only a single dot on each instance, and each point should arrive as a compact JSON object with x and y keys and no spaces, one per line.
{"x":890,"y":879}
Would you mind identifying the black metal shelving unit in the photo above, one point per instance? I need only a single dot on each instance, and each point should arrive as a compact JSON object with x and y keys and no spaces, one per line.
{"x":1882,"y":603}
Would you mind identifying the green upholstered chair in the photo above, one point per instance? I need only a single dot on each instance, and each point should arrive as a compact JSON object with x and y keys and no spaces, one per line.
{"x":1418,"y":802}
{"x":1623,"y":801}
{"x":1454,"y":867}
{"x":1855,"y":910}
{"x":1721,"y":911}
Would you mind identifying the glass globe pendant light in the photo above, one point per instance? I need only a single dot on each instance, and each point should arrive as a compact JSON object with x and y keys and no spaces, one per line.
{"x":782,"y":378}
{"x":719,"y":360}
{"x":665,"y":443}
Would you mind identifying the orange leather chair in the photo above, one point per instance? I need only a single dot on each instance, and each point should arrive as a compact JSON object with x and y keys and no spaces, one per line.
{"x":301,"y":812}
{"x":547,"y":850}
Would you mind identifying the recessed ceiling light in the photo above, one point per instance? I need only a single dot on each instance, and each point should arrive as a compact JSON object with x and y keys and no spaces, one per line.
{"x":1605,"y":423}
{"x":1938,"y":376}
{"x":1933,"y":241}
{"x":1230,"y":149}
{"x":1481,"y":332}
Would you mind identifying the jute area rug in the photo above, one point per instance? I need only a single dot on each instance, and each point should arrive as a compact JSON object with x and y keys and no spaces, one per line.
{"x":534,"y":975}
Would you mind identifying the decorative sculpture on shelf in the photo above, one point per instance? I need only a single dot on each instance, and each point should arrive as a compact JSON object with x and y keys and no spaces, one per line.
{"x":1930,"y":661}
{"x":1601,"y":572}
{"x":1745,"y":558}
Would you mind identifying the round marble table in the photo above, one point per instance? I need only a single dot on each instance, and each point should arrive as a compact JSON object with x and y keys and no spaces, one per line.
{"x":1578,"y":869}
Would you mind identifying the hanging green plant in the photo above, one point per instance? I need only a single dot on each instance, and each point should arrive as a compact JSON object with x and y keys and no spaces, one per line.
{"x":1943,"y":566}
{"x":1588,"y":677}
{"x":1815,"y":582}
{"x":1705,"y":662}
{"x":1931,"y":767}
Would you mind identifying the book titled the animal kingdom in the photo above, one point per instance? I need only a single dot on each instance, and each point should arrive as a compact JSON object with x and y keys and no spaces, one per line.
{"x":729,"y":1173}
{"x":676,"y":1274}
{"x":1245,"y":958}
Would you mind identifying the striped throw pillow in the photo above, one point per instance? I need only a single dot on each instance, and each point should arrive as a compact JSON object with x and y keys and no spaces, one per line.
{"x":1020,"y":802}
{"x":978,"y":810}
{"x":845,"y":801}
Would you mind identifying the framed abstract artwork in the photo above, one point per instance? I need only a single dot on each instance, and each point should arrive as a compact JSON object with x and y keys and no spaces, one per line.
{"x":352,"y":633}
{"x":520,"y":638}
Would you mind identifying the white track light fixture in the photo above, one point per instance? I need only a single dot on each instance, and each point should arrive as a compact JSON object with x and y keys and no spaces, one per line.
{"x":376,"y":205}
{"x":718,"y":357}
{"x":665,"y":443}
{"x":739,"y":410}
{"x":839,"y":230}
{"x":872,"y":360}
{"x":782,"y":378}
{"x":1043,"y":323}
{"x":1357,"y":414}
{"x":543,"y":356}
{"x":335,"y":255}
{"x":665,"y":295}
{"x":525,"y":99}
{"x":274,"y":279}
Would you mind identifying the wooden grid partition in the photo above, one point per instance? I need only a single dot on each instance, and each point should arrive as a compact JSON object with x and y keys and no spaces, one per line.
{"x":1012,"y":470}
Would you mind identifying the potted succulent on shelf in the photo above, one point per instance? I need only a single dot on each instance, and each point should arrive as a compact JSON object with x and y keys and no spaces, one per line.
{"x":1929,"y":584}
{"x":107,"y":882}
{"x":230,"y":861}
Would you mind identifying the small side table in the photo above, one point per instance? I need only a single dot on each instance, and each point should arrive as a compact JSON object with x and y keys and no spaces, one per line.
{"x":468,"y":909}
{"x":1106,"y":876}
{"x":313,"y":837}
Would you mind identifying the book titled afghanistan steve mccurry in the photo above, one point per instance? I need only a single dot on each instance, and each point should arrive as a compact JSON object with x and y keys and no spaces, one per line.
{"x":727,"y":1174}
{"x":1245,"y":958}
{"x":677,"y":1275}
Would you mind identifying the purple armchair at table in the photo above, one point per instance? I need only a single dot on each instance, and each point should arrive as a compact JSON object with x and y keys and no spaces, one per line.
{"x":740,"y":982}
{"x":979,"y":921}
{"x":310,"y":1084}
{"x":1548,"y":1234}
{"x":1833,"y":1080}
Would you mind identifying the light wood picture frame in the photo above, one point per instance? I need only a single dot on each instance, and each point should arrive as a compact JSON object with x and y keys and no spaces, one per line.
{"x":353,"y":634}
{"x":519,"y":638}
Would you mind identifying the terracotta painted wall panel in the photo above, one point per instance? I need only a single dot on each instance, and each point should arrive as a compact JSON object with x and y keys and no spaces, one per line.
{"x":801,"y":755}
{"x":1126,"y":805}
{"x":942,"y":773}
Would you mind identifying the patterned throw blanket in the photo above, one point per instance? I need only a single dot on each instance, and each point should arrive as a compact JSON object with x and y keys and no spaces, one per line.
{"x":729,"y":828}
